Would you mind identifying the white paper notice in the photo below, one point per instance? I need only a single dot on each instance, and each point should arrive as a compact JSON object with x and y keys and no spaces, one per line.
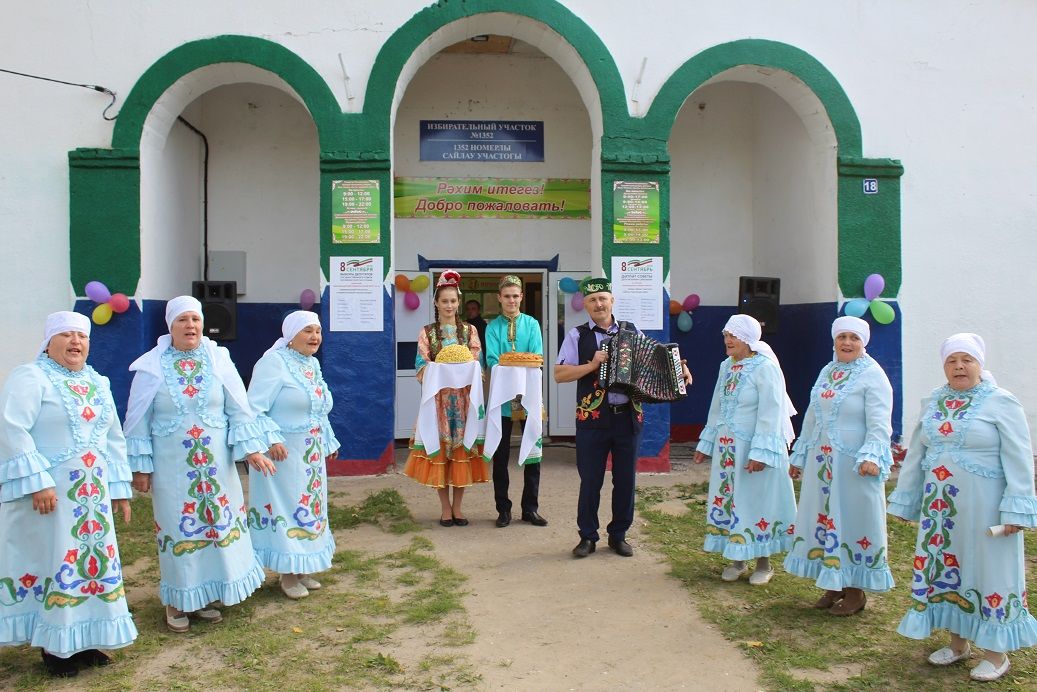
{"x":637,"y":285}
{"x":356,"y":294}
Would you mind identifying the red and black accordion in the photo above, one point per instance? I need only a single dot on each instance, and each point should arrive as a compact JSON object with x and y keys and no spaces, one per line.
{"x":642,"y":368}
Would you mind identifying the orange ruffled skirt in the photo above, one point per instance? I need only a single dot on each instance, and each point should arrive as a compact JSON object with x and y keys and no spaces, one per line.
{"x":453,"y":465}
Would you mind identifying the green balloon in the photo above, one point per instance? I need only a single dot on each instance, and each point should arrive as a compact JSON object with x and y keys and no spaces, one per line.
{"x":882,"y":312}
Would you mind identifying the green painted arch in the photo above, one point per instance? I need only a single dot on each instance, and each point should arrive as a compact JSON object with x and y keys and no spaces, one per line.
{"x":781,"y":56}
{"x":396,"y":51}
{"x":266,"y":55}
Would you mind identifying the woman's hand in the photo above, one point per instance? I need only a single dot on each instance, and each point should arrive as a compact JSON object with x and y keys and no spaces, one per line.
{"x":141,"y":482}
{"x":331,"y":457}
{"x":124,"y":507}
{"x":45,"y":501}
{"x":753,"y":466}
{"x":795,"y":472}
{"x":261,"y":463}
{"x":278,"y":452}
{"x":1011,"y":529}
{"x":700,"y":458}
{"x":868,"y":468}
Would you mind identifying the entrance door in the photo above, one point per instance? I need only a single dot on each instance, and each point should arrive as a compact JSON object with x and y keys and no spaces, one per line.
{"x":561,"y":400}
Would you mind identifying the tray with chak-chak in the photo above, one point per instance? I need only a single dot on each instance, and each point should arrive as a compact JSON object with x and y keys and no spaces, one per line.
{"x":642,"y":368}
{"x":455,"y":353}
{"x":522,"y":359}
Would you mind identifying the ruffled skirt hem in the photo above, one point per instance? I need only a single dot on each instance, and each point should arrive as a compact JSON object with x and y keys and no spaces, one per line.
{"x":462,"y":468}
{"x":1021,"y":634}
{"x":284,"y":562}
{"x":746,"y":551}
{"x":63,"y":641}
{"x":829,"y":579}
{"x":229,"y":593}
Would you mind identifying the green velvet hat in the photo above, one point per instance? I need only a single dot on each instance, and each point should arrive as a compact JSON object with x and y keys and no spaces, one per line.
{"x":588,"y":286}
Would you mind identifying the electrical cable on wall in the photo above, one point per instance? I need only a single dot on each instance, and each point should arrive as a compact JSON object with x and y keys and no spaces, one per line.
{"x":95,"y":87}
{"x":205,"y":196}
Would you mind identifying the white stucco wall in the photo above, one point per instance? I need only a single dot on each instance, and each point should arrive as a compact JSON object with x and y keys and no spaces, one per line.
{"x":944,"y":88}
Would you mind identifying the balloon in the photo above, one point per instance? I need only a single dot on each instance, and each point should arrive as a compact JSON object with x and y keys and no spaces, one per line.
{"x":691,"y":302}
{"x":882,"y":312}
{"x":856,"y":307}
{"x":569,"y":285}
{"x":684,"y":322}
{"x":577,"y":301}
{"x":402,"y":282}
{"x":419,"y":283}
{"x":119,"y":303}
{"x":411,"y":300}
{"x":873,"y":286}
{"x":99,"y":293}
{"x":102,"y":313}
{"x":307,"y":298}
{"x":675,"y":308}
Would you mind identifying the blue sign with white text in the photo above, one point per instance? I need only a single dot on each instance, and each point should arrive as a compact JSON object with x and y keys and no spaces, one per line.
{"x":516,"y":141}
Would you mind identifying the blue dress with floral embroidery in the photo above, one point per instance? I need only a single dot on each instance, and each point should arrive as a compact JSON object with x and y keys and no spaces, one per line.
{"x":288,"y":511}
{"x":840,"y":532}
{"x":188,"y":440}
{"x":748,"y":515}
{"x":61,"y":585}
{"x":969,"y":466}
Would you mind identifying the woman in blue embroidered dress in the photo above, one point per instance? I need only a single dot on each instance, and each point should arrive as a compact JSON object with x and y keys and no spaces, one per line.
{"x":844,"y":450}
{"x":188,"y":419}
{"x":63,"y":477}
{"x":969,"y":468}
{"x":752,"y":504}
{"x":288,"y":512}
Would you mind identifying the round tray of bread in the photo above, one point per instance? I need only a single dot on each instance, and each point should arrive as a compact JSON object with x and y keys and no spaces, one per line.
{"x":455,"y":353}
{"x":521,"y":359}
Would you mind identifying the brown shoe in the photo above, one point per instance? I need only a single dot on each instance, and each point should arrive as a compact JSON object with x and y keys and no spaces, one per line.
{"x":829,"y":599}
{"x":852,"y":603}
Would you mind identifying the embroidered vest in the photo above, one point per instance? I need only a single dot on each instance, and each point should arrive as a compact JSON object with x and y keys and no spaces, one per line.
{"x":592,"y":411}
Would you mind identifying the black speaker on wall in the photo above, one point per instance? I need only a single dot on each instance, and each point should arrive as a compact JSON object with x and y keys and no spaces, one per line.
{"x":219,"y":308}
{"x":760,"y":297}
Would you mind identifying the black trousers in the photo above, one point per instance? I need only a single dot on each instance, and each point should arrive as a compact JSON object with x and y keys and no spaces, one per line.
{"x":593,"y":446}
{"x":501,"y":480}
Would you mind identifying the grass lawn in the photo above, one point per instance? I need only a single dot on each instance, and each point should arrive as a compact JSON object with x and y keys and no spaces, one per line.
{"x":797,"y":647}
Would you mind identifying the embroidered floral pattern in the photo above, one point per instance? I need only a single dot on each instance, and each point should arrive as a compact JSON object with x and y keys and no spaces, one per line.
{"x":308,"y":518}
{"x":722,"y":517}
{"x":937,"y":573}
{"x":189,"y":374}
{"x":588,"y":407}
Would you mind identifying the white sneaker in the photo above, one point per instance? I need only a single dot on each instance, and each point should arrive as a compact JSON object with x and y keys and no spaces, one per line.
{"x":946,"y":656}
{"x":733,"y":573}
{"x":295,"y":591}
{"x":309,"y":582}
{"x":986,"y":671}
{"x":210,"y":615}
{"x":759,"y":578}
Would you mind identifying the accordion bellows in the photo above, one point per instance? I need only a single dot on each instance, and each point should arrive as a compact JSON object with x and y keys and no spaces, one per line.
{"x":522,"y":359}
{"x":455,"y":353}
{"x":642,"y":368}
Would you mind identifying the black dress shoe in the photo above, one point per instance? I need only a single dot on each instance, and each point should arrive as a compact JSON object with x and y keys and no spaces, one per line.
{"x":534,"y":519}
{"x":621,"y":547}
{"x":460,"y":521}
{"x":503,"y":519}
{"x":585,"y":548}
{"x":91,"y":657}
{"x":446,"y":522}
{"x":58,"y":667}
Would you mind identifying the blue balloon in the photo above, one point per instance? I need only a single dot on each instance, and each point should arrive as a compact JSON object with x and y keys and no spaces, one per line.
{"x":856,"y":307}
{"x":684,"y":322}
{"x":569,"y":285}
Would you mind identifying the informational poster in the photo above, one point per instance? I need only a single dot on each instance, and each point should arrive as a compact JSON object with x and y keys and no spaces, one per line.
{"x":499,"y":141}
{"x":499,"y":198}
{"x":635,"y":205}
{"x":356,"y":294}
{"x":354,"y":211}
{"x":637,"y":285}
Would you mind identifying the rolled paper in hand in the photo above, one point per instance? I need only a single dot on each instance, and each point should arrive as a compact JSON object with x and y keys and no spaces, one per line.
{"x":995,"y":531}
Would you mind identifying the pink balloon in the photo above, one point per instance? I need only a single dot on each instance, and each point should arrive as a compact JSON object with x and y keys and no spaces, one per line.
{"x":577,"y":301}
{"x":691,"y":302}
{"x":307,"y":298}
{"x":873,"y":286}
{"x":119,"y":302}
{"x":411,"y":300}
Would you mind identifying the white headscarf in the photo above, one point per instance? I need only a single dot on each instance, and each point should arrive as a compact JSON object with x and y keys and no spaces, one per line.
{"x":972,"y":344}
{"x":748,"y":330}
{"x":293,"y":324}
{"x":63,"y":321}
{"x":145,"y":385}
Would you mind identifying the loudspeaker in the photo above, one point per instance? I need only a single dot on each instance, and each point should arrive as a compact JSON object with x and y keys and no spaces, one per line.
{"x":760,"y":297}
{"x":219,"y":308}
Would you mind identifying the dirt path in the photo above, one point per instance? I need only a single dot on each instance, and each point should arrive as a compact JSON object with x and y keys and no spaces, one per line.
{"x":548,"y":621}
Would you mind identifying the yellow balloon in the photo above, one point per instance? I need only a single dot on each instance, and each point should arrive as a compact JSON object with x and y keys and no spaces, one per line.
{"x":419,"y":283}
{"x":102,"y":313}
